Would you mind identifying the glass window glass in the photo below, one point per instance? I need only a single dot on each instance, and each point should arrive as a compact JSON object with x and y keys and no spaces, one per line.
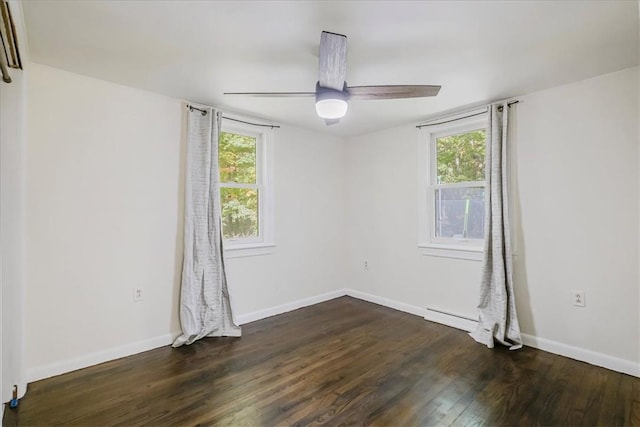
{"x":460,"y":158}
{"x":239,"y":212}
{"x":459,"y":212}
{"x":237,"y":158}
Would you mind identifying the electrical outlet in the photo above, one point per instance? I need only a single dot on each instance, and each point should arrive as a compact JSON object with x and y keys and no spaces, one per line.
{"x":138,"y":294}
{"x":578,"y":298}
{"x":365,"y":265}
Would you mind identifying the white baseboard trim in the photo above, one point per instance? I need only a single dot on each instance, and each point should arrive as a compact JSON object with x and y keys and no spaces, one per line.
{"x":577,"y":353}
{"x":583,"y":355}
{"x":396,"y":305}
{"x":53,"y":369}
{"x":290,"y":306}
{"x":594,"y":358}
{"x":69,"y":365}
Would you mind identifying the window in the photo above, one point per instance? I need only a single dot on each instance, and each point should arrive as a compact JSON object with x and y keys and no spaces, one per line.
{"x":457,"y":185}
{"x":452,"y":189}
{"x":244,"y":157}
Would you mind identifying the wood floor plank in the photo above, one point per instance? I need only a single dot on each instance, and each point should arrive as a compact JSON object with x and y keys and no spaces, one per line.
{"x":634,"y":412}
{"x":342,"y":362}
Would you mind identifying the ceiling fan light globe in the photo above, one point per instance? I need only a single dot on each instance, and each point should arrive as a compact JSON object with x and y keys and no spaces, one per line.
{"x":331,"y":108}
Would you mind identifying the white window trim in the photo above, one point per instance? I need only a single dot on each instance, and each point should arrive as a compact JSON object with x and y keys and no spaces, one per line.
{"x":264,"y":244}
{"x":468,"y":249}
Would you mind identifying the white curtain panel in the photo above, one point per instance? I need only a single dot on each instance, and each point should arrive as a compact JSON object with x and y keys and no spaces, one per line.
{"x":498,"y":320}
{"x":205,"y":306}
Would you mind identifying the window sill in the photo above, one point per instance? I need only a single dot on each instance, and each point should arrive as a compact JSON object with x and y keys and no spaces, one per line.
{"x":471,"y":253}
{"x":249,"y":249}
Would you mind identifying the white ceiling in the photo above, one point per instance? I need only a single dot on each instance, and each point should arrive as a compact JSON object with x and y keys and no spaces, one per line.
{"x":477,"y":50}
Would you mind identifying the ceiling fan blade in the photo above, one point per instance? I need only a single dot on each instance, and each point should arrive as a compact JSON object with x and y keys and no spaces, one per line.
{"x":272,"y":94}
{"x":332,"y":68}
{"x":330,"y":122}
{"x":392,"y":91}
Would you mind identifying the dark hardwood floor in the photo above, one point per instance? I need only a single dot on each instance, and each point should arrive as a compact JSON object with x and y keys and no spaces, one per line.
{"x":341,"y":362}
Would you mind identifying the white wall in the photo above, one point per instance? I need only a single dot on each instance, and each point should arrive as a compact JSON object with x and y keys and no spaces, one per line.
{"x":102,"y":215}
{"x":577,"y":191}
{"x":104,"y":202}
{"x":104,"y":191}
{"x":12,"y":219}
{"x":309,"y":226}
{"x":577,"y":166}
{"x":383,"y":219}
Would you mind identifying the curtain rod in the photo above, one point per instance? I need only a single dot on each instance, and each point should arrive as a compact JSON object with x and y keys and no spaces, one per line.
{"x":204,"y":113}
{"x":252,"y":124}
{"x":509,"y":104}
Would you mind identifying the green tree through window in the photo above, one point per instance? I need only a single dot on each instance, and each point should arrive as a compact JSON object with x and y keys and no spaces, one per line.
{"x":461,"y":157}
{"x":459,"y":192}
{"x":239,"y":190}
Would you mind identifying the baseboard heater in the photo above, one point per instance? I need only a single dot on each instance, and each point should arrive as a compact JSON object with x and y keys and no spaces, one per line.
{"x":448,"y":313}
{"x":451,"y":319}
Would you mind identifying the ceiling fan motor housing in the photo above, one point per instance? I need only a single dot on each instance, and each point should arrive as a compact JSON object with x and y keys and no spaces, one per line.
{"x":331,"y":103}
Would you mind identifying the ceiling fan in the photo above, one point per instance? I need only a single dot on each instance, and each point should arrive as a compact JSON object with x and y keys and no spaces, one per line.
{"x":332,"y":92}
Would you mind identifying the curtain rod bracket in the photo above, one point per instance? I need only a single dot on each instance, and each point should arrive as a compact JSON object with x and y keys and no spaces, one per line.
{"x":191,"y":108}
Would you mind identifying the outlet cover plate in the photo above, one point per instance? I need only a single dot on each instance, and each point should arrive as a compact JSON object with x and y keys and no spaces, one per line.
{"x":579,"y":298}
{"x":138,"y":294}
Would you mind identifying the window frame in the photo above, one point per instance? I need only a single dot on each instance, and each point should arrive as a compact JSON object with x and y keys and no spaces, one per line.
{"x":264,"y":243}
{"x":428,"y":243}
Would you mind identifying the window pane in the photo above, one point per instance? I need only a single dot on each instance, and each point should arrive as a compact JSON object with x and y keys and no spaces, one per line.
{"x":461,"y":157}
{"x":460,"y":212}
{"x":237,"y":157}
{"x":239,"y":212}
